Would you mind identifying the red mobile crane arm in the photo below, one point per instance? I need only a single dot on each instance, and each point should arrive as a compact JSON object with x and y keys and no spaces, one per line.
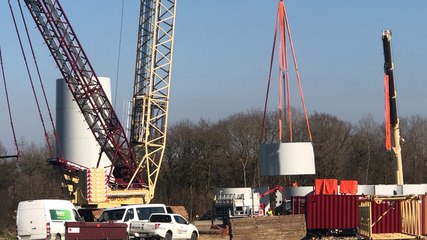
{"x":85,"y":87}
{"x":392,"y":120}
{"x":271,"y":190}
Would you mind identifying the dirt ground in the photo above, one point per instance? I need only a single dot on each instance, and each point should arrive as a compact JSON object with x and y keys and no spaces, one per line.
{"x":213,"y":237}
{"x":208,"y":233}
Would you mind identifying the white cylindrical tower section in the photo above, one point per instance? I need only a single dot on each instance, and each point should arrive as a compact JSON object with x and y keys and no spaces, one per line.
{"x":77,"y":142}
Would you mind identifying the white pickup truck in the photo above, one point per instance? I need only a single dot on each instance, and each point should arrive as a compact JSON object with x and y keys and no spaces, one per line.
{"x":165,"y":226}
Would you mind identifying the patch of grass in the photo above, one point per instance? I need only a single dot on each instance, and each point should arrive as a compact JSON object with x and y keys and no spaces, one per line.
{"x":8,"y":233}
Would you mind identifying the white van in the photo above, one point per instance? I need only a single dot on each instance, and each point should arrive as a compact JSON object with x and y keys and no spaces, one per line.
{"x":44,"y":219}
{"x":126,"y":214}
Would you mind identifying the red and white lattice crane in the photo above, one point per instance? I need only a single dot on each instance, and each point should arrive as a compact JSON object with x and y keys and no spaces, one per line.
{"x":136,"y":162}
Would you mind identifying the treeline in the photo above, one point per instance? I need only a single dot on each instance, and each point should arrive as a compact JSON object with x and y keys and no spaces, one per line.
{"x":205,"y":155}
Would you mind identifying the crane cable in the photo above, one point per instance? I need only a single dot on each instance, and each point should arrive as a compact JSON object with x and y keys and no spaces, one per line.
{"x":8,"y":105}
{"x":31,"y":79}
{"x":297,"y":72}
{"x":269,"y":82}
{"x":118,"y":54}
{"x":282,"y":25}
{"x":284,"y":76}
{"x":55,"y":132}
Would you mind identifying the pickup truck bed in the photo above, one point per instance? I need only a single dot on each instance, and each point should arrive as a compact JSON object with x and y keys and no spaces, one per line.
{"x":164,"y":225}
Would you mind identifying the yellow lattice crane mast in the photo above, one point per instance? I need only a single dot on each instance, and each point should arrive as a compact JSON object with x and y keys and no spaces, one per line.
{"x":151,"y":86}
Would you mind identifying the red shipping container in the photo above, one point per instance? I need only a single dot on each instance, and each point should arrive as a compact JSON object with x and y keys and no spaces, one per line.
{"x":95,"y":230}
{"x":332,"y":212}
{"x":387,"y":216}
{"x":298,"y":204}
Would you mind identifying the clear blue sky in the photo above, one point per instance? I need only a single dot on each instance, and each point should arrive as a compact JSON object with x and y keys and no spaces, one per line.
{"x":222,"y":51}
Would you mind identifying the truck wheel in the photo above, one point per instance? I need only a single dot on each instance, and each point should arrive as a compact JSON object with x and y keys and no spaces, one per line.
{"x":168,"y":236}
{"x":194,"y":236}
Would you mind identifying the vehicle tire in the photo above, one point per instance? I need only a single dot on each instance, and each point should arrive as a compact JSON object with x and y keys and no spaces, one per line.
{"x":58,"y":237}
{"x":168,"y":236}
{"x":194,"y":236}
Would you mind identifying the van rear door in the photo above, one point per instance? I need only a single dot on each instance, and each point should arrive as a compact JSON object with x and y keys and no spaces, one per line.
{"x":32,"y":223}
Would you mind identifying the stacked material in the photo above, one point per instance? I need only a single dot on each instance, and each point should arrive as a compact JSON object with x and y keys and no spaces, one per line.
{"x":272,"y":227}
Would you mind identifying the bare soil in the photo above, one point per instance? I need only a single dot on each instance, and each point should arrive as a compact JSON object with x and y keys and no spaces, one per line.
{"x":213,"y":237}
{"x":207,"y":232}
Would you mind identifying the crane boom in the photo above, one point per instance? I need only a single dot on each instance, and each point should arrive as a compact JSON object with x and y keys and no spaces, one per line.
{"x":85,"y":87}
{"x":392,"y":99}
{"x":151,"y":86}
{"x":136,"y":163}
{"x":388,"y":70}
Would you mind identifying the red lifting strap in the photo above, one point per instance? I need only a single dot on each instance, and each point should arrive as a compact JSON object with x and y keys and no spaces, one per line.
{"x":282,"y":27}
{"x":387,"y":114}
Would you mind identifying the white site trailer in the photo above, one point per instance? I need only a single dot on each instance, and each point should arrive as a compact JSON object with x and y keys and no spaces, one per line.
{"x":235,"y":202}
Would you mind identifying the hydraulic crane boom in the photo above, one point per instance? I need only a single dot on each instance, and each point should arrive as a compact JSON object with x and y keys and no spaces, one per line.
{"x":85,"y":88}
{"x":394,"y":120}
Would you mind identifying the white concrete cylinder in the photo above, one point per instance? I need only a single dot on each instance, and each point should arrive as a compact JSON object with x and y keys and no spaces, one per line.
{"x":292,"y":158}
{"x":75,"y":138}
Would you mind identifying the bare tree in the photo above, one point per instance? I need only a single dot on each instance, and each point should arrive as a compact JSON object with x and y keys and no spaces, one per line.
{"x":195,"y":157}
{"x":331,"y":140}
{"x":244,"y":131}
{"x":367,"y":143}
{"x":8,"y":174}
{"x":37,"y":179}
{"x":414,"y":150}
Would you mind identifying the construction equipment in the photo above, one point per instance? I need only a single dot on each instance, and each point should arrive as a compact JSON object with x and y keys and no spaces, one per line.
{"x":151,"y":86}
{"x":271,"y":190}
{"x":235,"y":202}
{"x":392,"y":121}
{"x":135,"y":163}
